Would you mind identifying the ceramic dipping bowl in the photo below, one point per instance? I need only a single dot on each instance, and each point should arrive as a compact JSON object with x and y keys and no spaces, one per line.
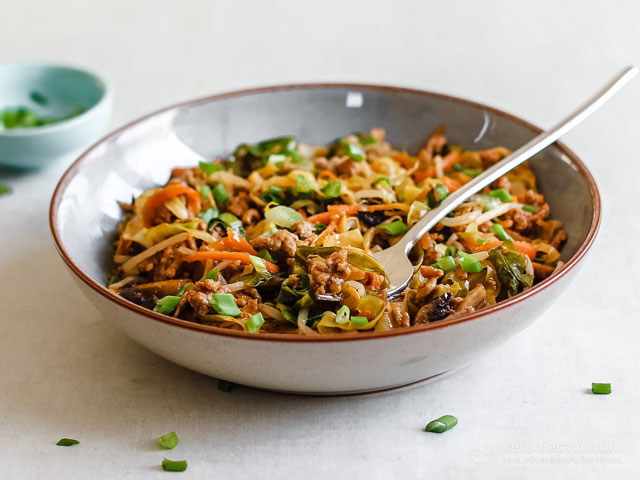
{"x":84,"y":217}
{"x":51,"y":91}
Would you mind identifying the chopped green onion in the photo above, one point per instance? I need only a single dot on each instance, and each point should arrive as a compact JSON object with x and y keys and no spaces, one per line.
{"x":469,"y":263}
{"x":209,"y":214}
{"x":254,"y":322}
{"x":205,"y":191}
{"x":283,"y":216}
{"x":332,"y":189}
{"x":601,"y":388}
{"x":224,"y":386}
{"x":320,"y":227}
{"x":451,"y":251}
{"x":266,"y":255}
{"x":501,"y":194}
{"x":458,"y":167}
{"x":530,"y":209}
{"x":384,"y":181}
{"x":481,"y":241}
{"x":364,"y":141}
{"x":276,"y":158}
{"x":355,"y":152}
{"x":272,"y":194}
{"x":446,"y":263}
{"x":174,"y":465}
{"x":4,"y":189}
{"x":342,"y":315}
{"x":183,"y":289}
{"x":302,"y":186}
{"x":168,"y":441}
{"x":500,"y":232}
{"x":359,"y":321}
{"x":442,"y":424}
{"x":220,"y":195}
{"x":67,"y":442}
{"x":38,"y":98}
{"x":225,"y":304}
{"x":209,"y":168}
{"x":438,"y":193}
{"x":167,"y":305}
{"x":394,"y":228}
{"x":212,"y":275}
{"x":472,"y":172}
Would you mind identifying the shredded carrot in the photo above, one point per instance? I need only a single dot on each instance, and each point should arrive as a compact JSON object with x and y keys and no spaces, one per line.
{"x":523,"y":247}
{"x":333,"y":224}
{"x":233,"y":241}
{"x":451,"y":184}
{"x":303,"y":212}
{"x":387,"y":206}
{"x":241,"y":256}
{"x":367,"y":313}
{"x":167,"y":193}
{"x":326,"y":173}
{"x":323,"y":217}
{"x":374,"y":281}
{"x":448,"y":161}
{"x":425,"y":241}
{"x":337,"y":210}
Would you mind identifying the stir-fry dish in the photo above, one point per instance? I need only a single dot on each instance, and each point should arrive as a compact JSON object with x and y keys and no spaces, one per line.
{"x":279,"y":237}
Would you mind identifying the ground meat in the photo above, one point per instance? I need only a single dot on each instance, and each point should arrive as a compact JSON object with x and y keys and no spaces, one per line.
{"x":328,"y":274}
{"x":305,"y":230}
{"x":399,"y":318}
{"x":168,"y":264}
{"x":558,"y":239}
{"x":248,"y":301}
{"x":425,"y":289}
{"x":525,"y":222}
{"x":250,"y":217}
{"x":492,"y":156}
{"x":436,"y":309}
{"x":430,"y":256}
{"x":474,"y":300}
{"x":531,"y":196}
{"x":201,"y":293}
{"x":428,"y":271}
{"x":281,"y":241}
{"x":434,"y":145}
{"x":502,"y":182}
{"x":239,"y":203}
{"x":343,"y":166}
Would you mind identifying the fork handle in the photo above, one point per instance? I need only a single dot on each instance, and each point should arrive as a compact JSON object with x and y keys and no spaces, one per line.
{"x":508,"y":163}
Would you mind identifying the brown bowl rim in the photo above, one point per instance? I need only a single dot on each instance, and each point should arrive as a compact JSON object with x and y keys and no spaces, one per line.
{"x":288,"y":337}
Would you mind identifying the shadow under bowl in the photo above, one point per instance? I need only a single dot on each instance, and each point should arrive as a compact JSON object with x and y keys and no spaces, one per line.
{"x":84,"y":217}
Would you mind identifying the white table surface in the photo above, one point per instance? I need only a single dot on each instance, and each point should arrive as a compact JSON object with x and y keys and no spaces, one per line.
{"x":524,"y":409}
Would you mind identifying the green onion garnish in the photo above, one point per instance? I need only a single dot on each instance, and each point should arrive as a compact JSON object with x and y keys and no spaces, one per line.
{"x":601,"y":388}
{"x":302,"y":186}
{"x":394,"y":228}
{"x":384,"y":181}
{"x":205,"y":191}
{"x":469,"y":263}
{"x":451,"y":251}
{"x":225,"y":386}
{"x":446,"y":263}
{"x":530,"y":209}
{"x":359,"y":321}
{"x":481,"y":241}
{"x":266,"y":255}
{"x":168,"y":441}
{"x":220,"y":195}
{"x":501,"y":194}
{"x":233,"y":222}
{"x":254,"y":322}
{"x":183,"y":289}
{"x":342,"y":315}
{"x":212,"y":275}
{"x":500,"y":232}
{"x":209,"y":214}
{"x":355,"y":151}
{"x":67,"y":442}
{"x":38,"y":98}
{"x":472,"y":172}
{"x":332,"y":189}
{"x":320,"y":227}
{"x":458,"y":167}
{"x":209,"y":168}
{"x":438,"y":193}
{"x":442,"y":424}
{"x":276,"y":158}
{"x":272,"y":194}
{"x":174,"y":466}
{"x":4,"y":189}
{"x":167,"y":305}
{"x":225,"y":304}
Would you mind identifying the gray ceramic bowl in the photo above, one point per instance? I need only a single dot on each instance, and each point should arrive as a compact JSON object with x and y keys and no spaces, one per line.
{"x":84,"y":216}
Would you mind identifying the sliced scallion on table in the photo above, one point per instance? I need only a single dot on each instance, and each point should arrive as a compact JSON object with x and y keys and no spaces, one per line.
{"x":601,"y":388}
{"x":174,"y":465}
{"x":397,"y":227}
{"x":67,"y":442}
{"x":225,"y":304}
{"x":168,"y":441}
{"x":442,"y":424}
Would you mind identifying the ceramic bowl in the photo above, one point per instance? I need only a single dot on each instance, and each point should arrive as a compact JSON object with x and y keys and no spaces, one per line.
{"x":64,"y":90}
{"x":84,"y":216}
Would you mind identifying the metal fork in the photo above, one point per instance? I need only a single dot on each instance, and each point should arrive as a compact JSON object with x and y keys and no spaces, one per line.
{"x":394,"y":259}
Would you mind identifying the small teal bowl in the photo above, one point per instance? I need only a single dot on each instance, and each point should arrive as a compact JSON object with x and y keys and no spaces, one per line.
{"x":65,"y":89}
